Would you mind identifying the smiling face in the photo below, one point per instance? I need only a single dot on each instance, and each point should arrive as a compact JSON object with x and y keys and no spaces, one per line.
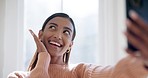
{"x":57,"y":36}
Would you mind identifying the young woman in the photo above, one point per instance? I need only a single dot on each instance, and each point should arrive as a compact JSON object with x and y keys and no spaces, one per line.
{"x":54,"y":43}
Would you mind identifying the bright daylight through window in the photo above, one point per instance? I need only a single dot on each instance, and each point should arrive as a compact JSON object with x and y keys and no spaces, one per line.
{"x":85,"y":16}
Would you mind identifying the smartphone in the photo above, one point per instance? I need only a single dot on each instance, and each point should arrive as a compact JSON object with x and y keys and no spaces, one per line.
{"x":140,"y":7}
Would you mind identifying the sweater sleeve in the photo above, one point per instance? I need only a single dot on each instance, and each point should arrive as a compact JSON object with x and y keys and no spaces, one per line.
{"x":93,"y":71}
{"x":130,"y":67}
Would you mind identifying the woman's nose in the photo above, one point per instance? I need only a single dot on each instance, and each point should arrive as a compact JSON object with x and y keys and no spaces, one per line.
{"x":58,"y":36}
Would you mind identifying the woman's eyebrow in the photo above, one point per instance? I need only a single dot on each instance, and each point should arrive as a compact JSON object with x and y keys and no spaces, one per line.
{"x":53,"y":24}
{"x":68,"y":28}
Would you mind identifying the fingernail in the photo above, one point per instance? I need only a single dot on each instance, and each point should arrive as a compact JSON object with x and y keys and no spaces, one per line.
{"x":128,"y":22}
{"x":31,"y":32}
{"x":133,"y":14}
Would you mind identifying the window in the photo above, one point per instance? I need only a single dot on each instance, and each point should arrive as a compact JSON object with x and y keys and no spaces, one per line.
{"x":102,"y":43}
{"x":86,"y":19}
{"x":85,"y":16}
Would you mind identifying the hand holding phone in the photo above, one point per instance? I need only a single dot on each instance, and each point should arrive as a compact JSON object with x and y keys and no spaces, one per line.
{"x":141,"y":8}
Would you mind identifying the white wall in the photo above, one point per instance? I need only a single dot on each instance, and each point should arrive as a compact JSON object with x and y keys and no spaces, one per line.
{"x":2,"y":16}
{"x":11,"y":35}
{"x":111,"y":27}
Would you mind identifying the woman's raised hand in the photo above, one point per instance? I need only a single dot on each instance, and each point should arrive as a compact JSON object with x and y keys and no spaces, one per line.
{"x":39,"y":44}
{"x":140,"y":37}
{"x":41,"y":68}
{"x":18,"y":74}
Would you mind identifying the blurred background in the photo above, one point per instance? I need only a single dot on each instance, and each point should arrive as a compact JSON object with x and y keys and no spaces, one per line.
{"x":99,"y":25}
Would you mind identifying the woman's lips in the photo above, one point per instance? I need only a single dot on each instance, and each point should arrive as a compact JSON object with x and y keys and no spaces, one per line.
{"x":55,"y":43}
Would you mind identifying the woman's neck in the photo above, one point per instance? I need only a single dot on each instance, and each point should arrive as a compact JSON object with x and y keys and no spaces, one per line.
{"x":57,"y":60}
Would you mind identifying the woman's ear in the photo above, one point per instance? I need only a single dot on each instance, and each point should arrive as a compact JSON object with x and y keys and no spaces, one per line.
{"x":40,"y":34}
{"x":71,"y":44}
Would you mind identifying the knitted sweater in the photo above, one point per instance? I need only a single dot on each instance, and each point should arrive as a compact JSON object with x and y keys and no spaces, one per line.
{"x":128,"y":67}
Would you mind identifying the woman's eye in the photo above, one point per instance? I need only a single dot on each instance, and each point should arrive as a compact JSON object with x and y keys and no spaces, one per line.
{"x":52,"y":27}
{"x":67,"y":32}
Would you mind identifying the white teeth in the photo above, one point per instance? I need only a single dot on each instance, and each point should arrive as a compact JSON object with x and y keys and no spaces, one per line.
{"x":55,"y":43}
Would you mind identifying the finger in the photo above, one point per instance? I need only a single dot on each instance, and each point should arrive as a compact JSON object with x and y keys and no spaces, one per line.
{"x":18,"y":75}
{"x":35,"y":38}
{"x":39,"y":44}
{"x":12,"y":75}
{"x":138,"y":32}
{"x":134,"y":41}
{"x":138,"y":44}
{"x":133,"y":28}
{"x":132,"y":53}
{"x":139,"y":21}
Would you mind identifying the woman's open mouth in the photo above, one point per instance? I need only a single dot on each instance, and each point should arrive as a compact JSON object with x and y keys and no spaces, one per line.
{"x":54,"y":43}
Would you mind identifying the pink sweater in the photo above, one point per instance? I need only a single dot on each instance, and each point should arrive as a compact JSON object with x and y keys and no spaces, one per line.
{"x":128,"y":67}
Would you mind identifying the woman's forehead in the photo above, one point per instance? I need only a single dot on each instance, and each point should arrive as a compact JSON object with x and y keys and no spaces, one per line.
{"x":61,"y":21}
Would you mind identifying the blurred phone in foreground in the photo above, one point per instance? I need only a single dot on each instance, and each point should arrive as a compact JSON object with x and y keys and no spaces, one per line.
{"x":140,"y":7}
